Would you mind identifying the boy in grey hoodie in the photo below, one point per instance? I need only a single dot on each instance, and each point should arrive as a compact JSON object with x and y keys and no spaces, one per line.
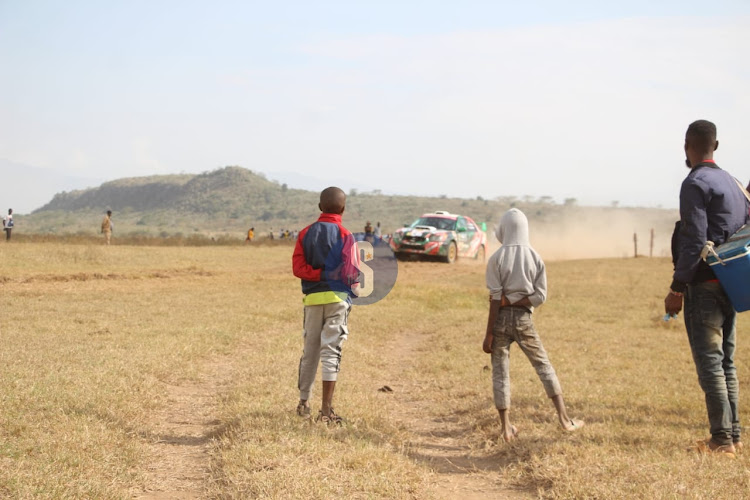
{"x":517,"y":282}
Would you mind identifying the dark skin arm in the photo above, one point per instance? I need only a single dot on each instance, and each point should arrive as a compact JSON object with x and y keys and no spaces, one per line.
{"x":495,"y":306}
{"x":491,"y":317}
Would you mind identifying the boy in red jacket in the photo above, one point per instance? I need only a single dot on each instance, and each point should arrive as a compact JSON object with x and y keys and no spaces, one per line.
{"x":326,"y":259}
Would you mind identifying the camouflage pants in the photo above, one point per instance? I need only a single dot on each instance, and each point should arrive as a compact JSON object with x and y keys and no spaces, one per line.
{"x":514,"y":324}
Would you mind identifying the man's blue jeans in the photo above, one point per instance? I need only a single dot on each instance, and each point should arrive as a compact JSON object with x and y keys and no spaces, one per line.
{"x":710,"y":323}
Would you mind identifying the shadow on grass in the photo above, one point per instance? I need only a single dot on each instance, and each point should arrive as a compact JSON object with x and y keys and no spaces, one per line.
{"x":215,"y":429}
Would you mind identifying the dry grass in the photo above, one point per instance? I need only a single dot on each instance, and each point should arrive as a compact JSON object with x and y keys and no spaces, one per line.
{"x":92,"y":338}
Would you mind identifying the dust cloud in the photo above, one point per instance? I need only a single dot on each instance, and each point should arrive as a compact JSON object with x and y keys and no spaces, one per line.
{"x":587,"y":234}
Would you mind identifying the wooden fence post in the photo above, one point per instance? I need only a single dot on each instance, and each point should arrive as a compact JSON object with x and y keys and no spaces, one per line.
{"x":651,"y":247}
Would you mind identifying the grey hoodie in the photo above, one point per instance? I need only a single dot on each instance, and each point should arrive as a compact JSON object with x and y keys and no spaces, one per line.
{"x":516,"y":270}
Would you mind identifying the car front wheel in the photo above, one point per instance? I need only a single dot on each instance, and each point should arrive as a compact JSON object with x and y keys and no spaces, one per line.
{"x":480,"y":254}
{"x":450,"y":257}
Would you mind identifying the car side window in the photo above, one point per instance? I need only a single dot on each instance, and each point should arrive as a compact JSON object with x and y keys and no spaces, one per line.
{"x":470,"y":226}
{"x":461,"y":224}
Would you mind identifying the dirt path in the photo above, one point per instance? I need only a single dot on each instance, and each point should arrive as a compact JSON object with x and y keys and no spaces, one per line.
{"x":442,"y":442}
{"x":181,"y":434}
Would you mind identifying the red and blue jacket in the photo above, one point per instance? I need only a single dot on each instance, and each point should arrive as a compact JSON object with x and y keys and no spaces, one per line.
{"x":326,"y":259}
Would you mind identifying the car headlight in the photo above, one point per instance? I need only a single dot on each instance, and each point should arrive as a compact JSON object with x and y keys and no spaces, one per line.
{"x":439,"y":237}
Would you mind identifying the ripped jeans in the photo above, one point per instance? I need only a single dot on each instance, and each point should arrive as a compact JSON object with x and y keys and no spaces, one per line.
{"x":710,"y":323}
{"x":514,"y":324}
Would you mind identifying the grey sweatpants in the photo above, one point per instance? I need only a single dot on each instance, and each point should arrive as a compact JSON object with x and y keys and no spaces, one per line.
{"x":325,"y":330}
{"x":514,"y":324}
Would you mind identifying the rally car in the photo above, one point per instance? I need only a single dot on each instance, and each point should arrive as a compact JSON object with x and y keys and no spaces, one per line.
{"x":441,"y":234}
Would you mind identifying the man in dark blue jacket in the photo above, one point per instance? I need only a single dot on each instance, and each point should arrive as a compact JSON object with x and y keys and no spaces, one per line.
{"x":712,"y":208}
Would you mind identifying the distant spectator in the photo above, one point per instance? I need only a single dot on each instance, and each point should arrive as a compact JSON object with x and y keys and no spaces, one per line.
{"x":287,"y":234}
{"x":368,"y":232}
{"x":250,"y":235}
{"x":271,"y":234}
{"x":377,"y":233}
{"x":107,"y":227}
{"x":8,"y":224}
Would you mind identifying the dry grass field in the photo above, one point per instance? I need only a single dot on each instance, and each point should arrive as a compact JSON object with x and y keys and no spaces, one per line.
{"x":170,"y":372}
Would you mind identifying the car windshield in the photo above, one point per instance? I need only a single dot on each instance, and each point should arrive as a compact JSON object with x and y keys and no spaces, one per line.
{"x":436,"y":222}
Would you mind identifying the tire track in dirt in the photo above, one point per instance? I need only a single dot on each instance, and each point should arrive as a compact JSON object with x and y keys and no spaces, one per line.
{"x":181,"y":434}
{"x":438,"y":441}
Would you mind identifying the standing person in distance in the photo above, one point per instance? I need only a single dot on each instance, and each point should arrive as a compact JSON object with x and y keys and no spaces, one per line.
{"x":517,"y":280}
{"x":107,"y":227}
{"x":326,"y":260}
{"x":712,"y":208}
{"x":8,"y":224}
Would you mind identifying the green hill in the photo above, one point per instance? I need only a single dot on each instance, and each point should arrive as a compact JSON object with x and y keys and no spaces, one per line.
{"x":229,"y":200}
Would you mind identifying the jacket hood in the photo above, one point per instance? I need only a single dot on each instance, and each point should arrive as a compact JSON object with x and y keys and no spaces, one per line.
{"x":513,"y":228}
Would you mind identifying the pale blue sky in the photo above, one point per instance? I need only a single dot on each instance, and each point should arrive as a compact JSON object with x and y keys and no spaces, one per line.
{"x":561,"y":99}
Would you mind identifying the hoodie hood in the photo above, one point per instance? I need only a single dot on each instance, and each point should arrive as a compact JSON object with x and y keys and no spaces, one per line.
{"x":513,"y":228}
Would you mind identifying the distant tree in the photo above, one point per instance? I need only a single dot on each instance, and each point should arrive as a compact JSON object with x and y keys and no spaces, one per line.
{"x":546,"y":200}
{"x":479,"y":198}
{"x":443,"y":196}
{"x":570,"y":202}
{"x":284,"y":188}
{"x":352,"y":192}
{"x":615,"y":203}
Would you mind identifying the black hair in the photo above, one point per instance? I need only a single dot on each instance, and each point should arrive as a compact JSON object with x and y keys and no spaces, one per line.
{"x":702,"y":136}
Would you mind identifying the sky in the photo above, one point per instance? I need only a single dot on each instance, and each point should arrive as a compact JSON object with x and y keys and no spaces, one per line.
{"x":577,"y":99}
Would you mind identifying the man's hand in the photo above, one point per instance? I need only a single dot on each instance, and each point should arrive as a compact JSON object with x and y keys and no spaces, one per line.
{"x":673,"y":303}
{"x":487,"y":344}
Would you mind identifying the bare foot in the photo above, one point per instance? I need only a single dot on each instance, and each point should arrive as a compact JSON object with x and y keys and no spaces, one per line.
{"x":738,"y":446}
{"x":510,"y":434}
{"x":572,"y":424}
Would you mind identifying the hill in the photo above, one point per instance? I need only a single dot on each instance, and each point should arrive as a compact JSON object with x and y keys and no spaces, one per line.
{"x":229,"y":200}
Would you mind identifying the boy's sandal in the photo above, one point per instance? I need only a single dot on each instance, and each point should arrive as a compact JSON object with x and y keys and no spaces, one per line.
{"x":703,"y":447}
{"x":330,"y":419}
{"x":304,"y":411}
